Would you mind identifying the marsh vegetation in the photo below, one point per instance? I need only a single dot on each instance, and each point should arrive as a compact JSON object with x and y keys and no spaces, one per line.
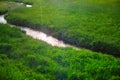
{"x":91,"y":25}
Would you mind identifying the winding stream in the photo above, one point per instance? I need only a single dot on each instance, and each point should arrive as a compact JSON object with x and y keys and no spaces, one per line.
{"x":38,"y":35}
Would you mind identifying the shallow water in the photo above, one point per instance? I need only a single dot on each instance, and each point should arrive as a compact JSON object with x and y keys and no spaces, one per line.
{"x":2,"y":19}
{"x":38,"y":35}
{"x":44,"y":37}
{"x":28,"y":5}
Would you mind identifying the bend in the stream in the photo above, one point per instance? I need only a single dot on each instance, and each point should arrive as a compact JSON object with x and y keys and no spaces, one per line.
{"x":38,"y":35}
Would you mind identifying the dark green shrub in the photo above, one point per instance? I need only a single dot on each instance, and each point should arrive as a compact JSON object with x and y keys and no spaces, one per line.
{"x":32,"y":61}
{"x":60,"y":75}
{"x":105,"y":48}
{"x":3,"y":11}
{"x":5,"y":48}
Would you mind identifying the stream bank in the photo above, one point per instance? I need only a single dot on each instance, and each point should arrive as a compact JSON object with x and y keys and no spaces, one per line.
{"x":38,"y":35}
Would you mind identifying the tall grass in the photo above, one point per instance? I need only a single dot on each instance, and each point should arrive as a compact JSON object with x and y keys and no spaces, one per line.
{"x":84,"y":23}
{"x":23,"y":58}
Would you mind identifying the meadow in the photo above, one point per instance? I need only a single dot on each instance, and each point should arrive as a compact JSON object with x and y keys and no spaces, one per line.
{"x":94,"y":25}
{"x":90,"y":24}
{"x":24,"y":58}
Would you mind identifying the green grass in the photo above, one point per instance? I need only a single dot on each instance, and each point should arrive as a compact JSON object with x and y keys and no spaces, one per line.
{"x":6,"y":6}
{"x":86,"y":23}
{"x":24,"y":58}
{"x":89,"y":24}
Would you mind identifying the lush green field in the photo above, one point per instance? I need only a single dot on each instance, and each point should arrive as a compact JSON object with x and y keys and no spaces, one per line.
{"x":23,"y":58}
{"x":91,"y":24}
{"x":86,"y":23}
